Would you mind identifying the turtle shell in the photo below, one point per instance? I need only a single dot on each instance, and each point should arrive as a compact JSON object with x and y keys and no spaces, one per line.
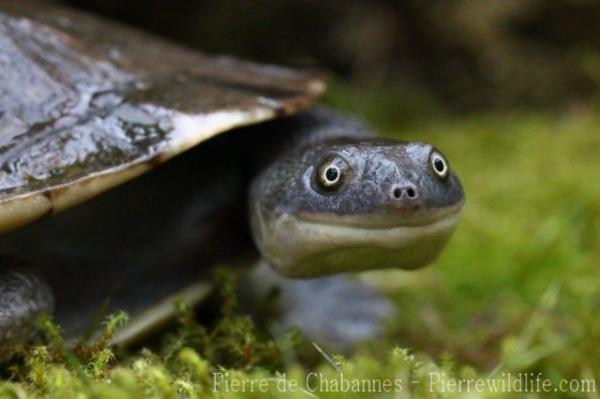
{"x":87,"y":104}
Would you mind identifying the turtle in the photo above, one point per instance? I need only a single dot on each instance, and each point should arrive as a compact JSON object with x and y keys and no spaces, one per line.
{"x":129,"y":165}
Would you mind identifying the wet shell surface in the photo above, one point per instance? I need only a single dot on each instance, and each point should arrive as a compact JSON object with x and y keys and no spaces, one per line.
{"x":86,"y":104}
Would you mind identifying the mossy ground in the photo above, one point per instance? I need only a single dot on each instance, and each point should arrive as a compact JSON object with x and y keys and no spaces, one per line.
{"x":517,"y":290}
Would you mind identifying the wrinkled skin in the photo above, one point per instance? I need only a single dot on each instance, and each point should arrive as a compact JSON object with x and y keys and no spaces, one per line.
{"x":388,"y":206}
{"x":373,"y":169}
{"x":86,"y":105}
{"x":159,"y":232}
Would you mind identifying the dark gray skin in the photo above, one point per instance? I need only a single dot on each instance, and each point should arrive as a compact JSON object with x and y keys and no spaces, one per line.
{"x":87,"y":105}
{"x":386,"y":205}
{"x":198,"y":219}
{"x":25,"y":296}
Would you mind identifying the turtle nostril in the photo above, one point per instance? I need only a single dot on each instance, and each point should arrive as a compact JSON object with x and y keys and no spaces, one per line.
{"x":406,"y":193}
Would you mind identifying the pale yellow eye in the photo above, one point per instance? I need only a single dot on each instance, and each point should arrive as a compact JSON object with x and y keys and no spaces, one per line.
{"x":439,"y":164}
{"x":331,"y":173}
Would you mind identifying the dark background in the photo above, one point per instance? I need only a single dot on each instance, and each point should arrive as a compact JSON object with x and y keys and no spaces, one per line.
{"x":463,"y":55}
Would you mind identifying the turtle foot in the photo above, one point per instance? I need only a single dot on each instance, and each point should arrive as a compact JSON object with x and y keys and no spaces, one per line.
{"x":336,"y":312}
{"x":24,"y":296}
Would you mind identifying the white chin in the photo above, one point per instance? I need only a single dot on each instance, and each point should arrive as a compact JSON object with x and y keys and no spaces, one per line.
{"x":298,"y":248}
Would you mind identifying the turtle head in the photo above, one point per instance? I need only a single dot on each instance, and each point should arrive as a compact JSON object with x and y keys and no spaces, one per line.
{"x":356,"y":206}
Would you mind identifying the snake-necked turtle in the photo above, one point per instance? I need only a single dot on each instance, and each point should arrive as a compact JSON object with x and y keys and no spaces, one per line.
{"x":87,"y":105}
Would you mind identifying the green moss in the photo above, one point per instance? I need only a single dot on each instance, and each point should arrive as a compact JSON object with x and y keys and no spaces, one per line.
{"x":517,"y":291}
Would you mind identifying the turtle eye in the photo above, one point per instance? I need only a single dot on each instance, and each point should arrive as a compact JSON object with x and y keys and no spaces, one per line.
{"x":439,"y":164}
{"x":331,"y":173}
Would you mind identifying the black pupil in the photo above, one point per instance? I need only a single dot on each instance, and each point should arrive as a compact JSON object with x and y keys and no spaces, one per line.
{"x":331,"y":174}
{"x":439,"y":165}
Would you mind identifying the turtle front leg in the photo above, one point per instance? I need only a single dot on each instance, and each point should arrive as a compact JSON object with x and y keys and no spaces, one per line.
{"x":24,"y":295}
{"x":336,"y":311}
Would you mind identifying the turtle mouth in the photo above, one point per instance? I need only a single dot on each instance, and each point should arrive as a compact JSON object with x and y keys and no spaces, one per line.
{"x":304,"y":248}
{"x":384,"y":221}
{"x":304,"y":245}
